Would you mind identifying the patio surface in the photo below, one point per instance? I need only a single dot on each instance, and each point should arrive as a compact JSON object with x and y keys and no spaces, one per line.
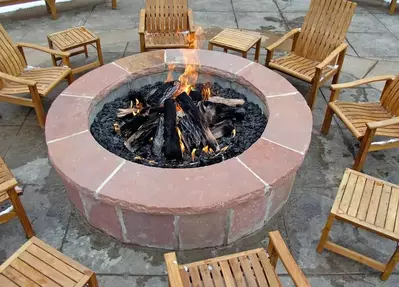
{"x":374,"y":50}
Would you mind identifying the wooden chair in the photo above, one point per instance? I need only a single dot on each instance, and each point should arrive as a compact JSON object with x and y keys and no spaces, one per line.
{"x":392,"y":7}
{"x":369,"y":203}
{"x":9,"y":192}
{"x":38,"y":264}
{"x":166,"y":24}
{"x":249,"y":268}
{"x":17,"y":78}
{"x":50,"y":4}
{"x":318,"y":51}
{"x":366,"y":120}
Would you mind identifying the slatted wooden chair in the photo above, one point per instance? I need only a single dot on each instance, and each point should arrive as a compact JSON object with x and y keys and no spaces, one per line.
{"x":9,"y":192}
{"x":318,"y":51}
{"x":50,"y":4}
{"x":370,"y":119}
{"x":166,"y":24}
{"x":17,"y":79}
{"x":249,"y":268}
{"x":37,"y":264}
{"x":392,"y":7}
{"x":369,"y":203}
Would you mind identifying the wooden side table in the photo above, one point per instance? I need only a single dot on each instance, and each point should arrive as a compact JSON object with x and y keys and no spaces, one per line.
{"x":38,"y":264}
{"x":369,"y":203}
{"x":76,"y":39}
{"x":236,"y":40}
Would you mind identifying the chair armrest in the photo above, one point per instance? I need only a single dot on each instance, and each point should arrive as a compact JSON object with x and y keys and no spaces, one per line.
{"x":332,"y":56}
{"x":17,"y":80}
{"x":383,"y":123}
{"x":361,"y":82}
{"x":283,"y":39}
{"x":142,"y":21}
{"x":191,"y":26}
{"x":44,"y":49}
{"x":172,"y":268}
{"x":286,"y":258}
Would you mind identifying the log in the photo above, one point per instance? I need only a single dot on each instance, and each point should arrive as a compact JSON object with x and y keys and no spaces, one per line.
{"x":227,"y":102}
{"x":191,"y":110}
{"x":171,"y":139}
{"x":223,"y":128}
{"x":144,"y":133}
{"x":158,"y":141}
{"x":157,"y":96}
{"x":130,"y":126}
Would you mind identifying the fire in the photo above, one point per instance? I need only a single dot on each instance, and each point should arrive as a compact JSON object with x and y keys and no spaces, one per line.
{"x":182,"y":147}
{"x":191,"y":63}
{"x":178,"y":108}
{"x":206,"y":93}
{"x":205,"y":149}
{"x":193,"y":153}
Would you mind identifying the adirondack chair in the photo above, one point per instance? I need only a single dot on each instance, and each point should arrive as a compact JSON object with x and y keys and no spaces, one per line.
{"x":249,"y":268}
{"x":392,"y":7}
{"x":318,"y":50}
{"x":50,"y":4}
{"x":17,"y":79}
{"x":366,"y":120}
{"x":166,"y":24}
{"x":9,"y":192}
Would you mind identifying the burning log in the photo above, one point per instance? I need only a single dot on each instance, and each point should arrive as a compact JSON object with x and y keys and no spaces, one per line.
{"x":223,"y":128}
{"x":156,"y":97}
{"x":191,"y":135}
{"x":129,"y":127}
{"x":191,"y":110}
{"x":214,"y":113}
{"x":158,"y":142}
{"x":144,"y":132}
{"x":171,"y":138}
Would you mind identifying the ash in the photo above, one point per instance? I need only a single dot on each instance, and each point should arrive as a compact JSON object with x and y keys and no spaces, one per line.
{"x":248,"y":129}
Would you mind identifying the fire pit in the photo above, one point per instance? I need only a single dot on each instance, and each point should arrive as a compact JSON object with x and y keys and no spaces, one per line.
{"x":212,"y":192}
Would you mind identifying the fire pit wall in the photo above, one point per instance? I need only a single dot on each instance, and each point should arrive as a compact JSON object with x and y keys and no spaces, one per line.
{"x":178,"y":208}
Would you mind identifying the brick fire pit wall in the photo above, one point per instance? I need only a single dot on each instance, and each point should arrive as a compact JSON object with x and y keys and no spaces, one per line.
{"x":179,"y":208}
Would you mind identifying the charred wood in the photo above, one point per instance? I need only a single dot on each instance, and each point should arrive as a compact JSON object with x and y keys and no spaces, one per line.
{"x":171,"y":139}
{"x":144,"y":133}
{"x":223,"y":128}
{"x":158,"y":142}
{"x":227,"y":102}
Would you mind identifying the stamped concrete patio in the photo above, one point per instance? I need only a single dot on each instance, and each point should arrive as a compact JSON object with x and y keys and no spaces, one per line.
{"x":374,"y":49}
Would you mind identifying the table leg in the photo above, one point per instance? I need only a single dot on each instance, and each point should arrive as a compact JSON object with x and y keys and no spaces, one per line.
{"x":50,"y":45}
{"x":225,"y":50}
{"x":244,"y":54}
{"x":210,"y":46}
{"x":86,"y":53}
{"x":99,"y":52}
{"x":257,"y":51}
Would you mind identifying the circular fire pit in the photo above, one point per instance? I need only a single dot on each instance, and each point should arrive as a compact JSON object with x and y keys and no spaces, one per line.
{"x":188,"y":207}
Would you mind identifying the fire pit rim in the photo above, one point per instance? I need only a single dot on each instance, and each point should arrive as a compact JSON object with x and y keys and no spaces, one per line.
{"x":83,"y":95}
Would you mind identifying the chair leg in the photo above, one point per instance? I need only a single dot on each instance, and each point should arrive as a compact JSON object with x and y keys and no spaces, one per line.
{"x":391,"y":264}
{"x":93,"y":281}
{"x":113,"y":4}
{"x":326,"y":231}
{"x":340,"y":63}
{"x":70,"y":78}
{"x":327,"y":120}
{"x":257,"y":51}
{"x":313,"y":94}
{"x":51,"y":46}
{"x":99,"y":52}
{"x":364,"y":148}
{"x":392,"y":7}
{"x":273,"y":256}
{"x":142,"y":43}
{"x":52,"y":8}
{"x":86,"y":52}
{"x":20,"y":211}
{"x":210,"y":47}
{"x":37,"y":104}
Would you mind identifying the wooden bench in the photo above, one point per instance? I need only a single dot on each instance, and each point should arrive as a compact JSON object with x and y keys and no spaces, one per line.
{"x":369,"y":203}
{"x":249,"y":268}
{"x":37,"y":264}
{"x":50,"y":4}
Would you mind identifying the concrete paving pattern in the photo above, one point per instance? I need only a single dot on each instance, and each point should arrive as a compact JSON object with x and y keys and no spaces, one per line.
{"x":373,"y":50}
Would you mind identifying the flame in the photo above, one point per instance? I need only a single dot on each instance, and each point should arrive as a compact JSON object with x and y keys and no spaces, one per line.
{"x":178,"y":108}
{"x":193,"y":153}
{"x":182,"y":147}
{"x":117,"y":128}
{"x":206,"y":93}
{"x":191,"y":64}
{"x":233,"y":133}
{"x":137,"y":107}
{"x":205,"y":149}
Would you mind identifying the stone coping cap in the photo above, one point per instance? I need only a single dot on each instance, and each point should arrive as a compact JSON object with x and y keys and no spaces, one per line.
{"x":81,"y":161}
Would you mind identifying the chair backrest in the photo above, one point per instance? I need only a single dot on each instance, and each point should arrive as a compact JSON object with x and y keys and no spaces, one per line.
{"x":11,"y":60}
{"x":390,"y":97}
{"x":166,"y":15}
{"x":324,"y":28}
